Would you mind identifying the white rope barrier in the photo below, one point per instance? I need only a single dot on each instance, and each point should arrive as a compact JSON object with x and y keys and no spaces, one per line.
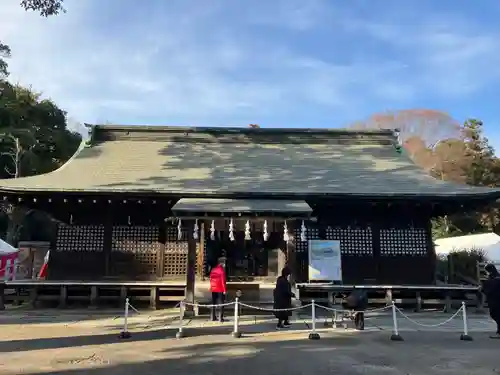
{"x":395,"y":330}
{"x":354,"y":311}
{"x":209,"y":306}
{"x":133,"y":308}
{"x":274,"y":310}
{"x":125,"y":334}
{"x":429,"y":325}
{"x":465,"y":335}
{"x":180,"y":332}
{"x":463,"y":309}
{"x":236,"y":330}
{"x":313,"y":335}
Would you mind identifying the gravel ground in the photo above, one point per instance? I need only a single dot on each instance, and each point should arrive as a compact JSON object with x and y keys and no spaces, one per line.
{"x":78,"y":343}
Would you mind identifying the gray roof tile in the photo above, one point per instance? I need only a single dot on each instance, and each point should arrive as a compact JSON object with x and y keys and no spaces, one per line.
{"x":228,"y":161}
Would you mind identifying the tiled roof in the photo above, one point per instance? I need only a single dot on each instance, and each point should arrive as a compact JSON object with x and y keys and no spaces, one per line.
{"x":213,"y":205}
{"x":227,"y":162}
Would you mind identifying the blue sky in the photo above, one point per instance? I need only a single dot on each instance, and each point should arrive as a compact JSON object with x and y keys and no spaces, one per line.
{"x":278,"y":63}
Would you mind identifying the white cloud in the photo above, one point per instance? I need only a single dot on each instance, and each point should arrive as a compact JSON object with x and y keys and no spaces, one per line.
{"x":200,"y":66}
{"x":449,"y":54}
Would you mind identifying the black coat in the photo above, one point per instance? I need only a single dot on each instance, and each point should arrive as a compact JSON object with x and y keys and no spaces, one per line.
{"x":491,"y":289}
{"x":283,"y":297}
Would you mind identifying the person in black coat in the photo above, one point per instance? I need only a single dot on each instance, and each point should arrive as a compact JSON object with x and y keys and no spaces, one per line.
{"x":283,"y":299}
{"x":491,"y":288}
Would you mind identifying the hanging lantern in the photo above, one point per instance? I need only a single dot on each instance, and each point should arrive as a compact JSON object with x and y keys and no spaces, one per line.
{"x":286,"y":237}
{"x":212,"y":230}
{"x":266,"y":233}
{"x":303,"y":232}
{"x":195,"y":230}
{"x":179,"y":230}
{"x":247,"y":231}
{"x":231,"y":230}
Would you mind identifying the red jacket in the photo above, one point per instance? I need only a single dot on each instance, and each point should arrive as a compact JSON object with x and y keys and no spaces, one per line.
{"x":218,"y":280}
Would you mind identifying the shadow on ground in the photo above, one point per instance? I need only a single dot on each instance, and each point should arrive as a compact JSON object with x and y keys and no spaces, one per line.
{"x":104,"y":338}
{"x":369,"y":352}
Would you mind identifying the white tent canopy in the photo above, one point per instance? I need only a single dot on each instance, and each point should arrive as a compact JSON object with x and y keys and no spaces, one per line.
{"x":487,"y":242}
{"x":5,"y":248}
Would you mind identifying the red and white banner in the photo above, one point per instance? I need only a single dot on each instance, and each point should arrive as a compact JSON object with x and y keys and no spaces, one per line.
{"x":45,"y":266}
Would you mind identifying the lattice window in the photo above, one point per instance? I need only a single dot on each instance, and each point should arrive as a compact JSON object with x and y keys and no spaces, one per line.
{"x":176,"y":252}
{"x":403,"y":242}
{"x":303,"y":246}
{"x":140,"y":242}
{"x":353,"y":241}
{"x":80,"y":238}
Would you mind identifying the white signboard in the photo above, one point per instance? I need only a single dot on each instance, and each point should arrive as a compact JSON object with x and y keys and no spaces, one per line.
{"x":324,"y":261}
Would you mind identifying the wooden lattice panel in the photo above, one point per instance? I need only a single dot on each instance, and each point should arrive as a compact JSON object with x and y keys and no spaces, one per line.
{"x":302,"y":252}
{"x":80,"y":238}
{"x":303,"y":246}
{"x":176,"y":252}
{"x":140,"y":243}
{"x":353,"y":241}
{"x":403,"y":242}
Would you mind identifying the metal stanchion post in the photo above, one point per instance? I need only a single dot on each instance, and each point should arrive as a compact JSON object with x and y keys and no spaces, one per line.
{"x":465,"y":336}
{"x":180,"y":333}
{"x":335,"y":318}
{"x":314,"y":335}
{"x":236,"y":330}
{"x":395,"y":331}
{"x":125,"y":334}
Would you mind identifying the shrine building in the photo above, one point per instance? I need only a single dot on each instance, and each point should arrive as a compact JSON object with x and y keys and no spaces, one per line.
{"x":163,"y":203}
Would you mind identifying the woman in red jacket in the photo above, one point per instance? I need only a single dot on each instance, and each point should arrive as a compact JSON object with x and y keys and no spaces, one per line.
{"x":218,"y":288}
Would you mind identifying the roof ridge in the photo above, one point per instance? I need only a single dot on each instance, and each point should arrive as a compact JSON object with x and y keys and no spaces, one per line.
{"x":231,"y":129}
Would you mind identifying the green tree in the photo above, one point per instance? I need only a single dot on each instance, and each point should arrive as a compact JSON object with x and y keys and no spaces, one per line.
{"x":470,"y":160}
{"x":4,"y":54}
{"x":482,"y":169}
{"x":34,"y":139}
{"x":451,"y":152}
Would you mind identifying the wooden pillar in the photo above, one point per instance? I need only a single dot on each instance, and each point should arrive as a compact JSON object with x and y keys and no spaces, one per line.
{"x":447,"y":301}
{"x":191,"y":268}
{"x":388,"y":297}
{"x":480,"y":302}
{"x":63,"y":296}
{"x":33,"y":296}
{"x":431,"y":252}
{"x":123,"y":295}
{"x":291,"y":254}
{"x":200,"y":259}
{"x":154,"y":297}
{"x":160,"y":258}
{"x":2,"y":296}
{"x":418,"y":298}
{"x":93,"y":296}
{"x":108,"y":240}
{"x":377,"y":258}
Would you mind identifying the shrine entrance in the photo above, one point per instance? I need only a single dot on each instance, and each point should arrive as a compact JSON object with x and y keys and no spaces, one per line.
{"x":248,"y":260}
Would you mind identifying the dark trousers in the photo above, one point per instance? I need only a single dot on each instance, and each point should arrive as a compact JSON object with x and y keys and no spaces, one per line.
{"x":359,"y":321}
{"x":495,"y":315}
{"x":283,"y":317}
{"x":281,"y":322}
{"x":217,"y":299}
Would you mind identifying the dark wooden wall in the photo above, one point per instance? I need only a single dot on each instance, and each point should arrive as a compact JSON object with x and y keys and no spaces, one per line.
{"x":381,"y":243}
{"x":388,"y":245}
